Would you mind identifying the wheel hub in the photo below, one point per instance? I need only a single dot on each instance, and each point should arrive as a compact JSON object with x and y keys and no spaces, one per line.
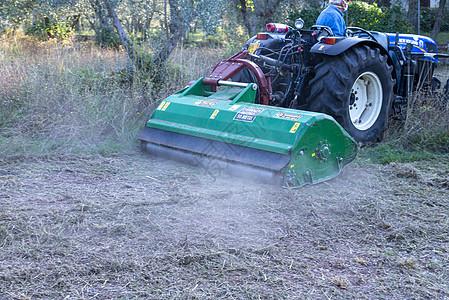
{"x":365,"y":100}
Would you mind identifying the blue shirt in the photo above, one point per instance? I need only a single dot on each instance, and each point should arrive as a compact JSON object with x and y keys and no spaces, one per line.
{"x":333,"y":18}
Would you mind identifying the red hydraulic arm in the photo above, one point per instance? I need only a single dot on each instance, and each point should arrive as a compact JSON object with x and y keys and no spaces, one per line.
{"x":231,"y":66}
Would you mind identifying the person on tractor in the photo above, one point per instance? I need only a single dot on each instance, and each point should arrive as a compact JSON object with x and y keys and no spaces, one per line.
{"x":332,"y":17}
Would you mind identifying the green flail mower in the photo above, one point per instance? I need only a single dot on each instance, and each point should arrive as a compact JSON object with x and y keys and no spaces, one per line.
{"x":270,"y":111}
{"x":217,"y":125}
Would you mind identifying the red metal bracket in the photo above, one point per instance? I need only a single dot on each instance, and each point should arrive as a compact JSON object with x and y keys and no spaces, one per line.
{"x":231,"y":66}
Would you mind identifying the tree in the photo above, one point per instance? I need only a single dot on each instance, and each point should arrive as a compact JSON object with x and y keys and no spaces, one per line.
{"x":14,"y":13}
{"x":176,"y":32}
{"x":256,"y":13}
{"x":140,"y":59}
{"x":126,"y":41}
{"x":412,"y":15}
{"x":438,"y":19}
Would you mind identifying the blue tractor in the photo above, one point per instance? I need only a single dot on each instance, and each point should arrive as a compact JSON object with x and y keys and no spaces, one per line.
{"x":361,"y":79}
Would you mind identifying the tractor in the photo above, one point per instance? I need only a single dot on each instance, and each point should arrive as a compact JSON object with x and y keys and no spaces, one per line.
{"x":361,"y":79}
{"x":293,"y":106}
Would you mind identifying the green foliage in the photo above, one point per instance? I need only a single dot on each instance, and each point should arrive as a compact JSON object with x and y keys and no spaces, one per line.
{"x":208,"y":14}
{"x":50,"y":27}
{"x":309,"y":16}
{"x":107,"y":37}
{"x":203,"y":14}
{"x":428,"y":19}
{"x":395,"y":20}
{"x":372,"y":17}
{"x":233,"y":40}
{"x":365,"y":15}
{"x":361,"y":14}
{"x":14,"y":13}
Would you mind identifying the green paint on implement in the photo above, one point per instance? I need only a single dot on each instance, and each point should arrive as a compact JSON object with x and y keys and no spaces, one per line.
{"x":296,"y":146}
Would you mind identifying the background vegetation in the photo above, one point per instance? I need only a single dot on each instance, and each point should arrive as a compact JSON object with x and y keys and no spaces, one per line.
{"x":78,"y":96}
{"x":67,"y":85}
{"x":364,"y":15}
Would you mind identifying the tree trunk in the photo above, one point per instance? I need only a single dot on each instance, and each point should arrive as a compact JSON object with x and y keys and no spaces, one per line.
{"x":266,"y":15}
{"x":246,"y":18}
{"x":263,"y":14}
{"x":75,"y":21}
{"x":177,"y":31}
{"x":167,"y":33}
{"x":438,"y":20}
{"x":412,"y":15}
{"x":104,"y":28}
{"x":126,"y":41}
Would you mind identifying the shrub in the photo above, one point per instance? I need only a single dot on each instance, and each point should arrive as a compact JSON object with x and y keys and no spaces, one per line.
{"x":372,"y":17}
{"x":422,"y":135}
{"x":364,"y":15}
{"x":50,"y":27}
{"x":395,"y":20}
{"x":309,"y":15}
{"x":107,"y":37}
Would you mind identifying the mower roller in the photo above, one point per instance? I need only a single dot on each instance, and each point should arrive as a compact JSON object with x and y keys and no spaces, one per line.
{"x":216,"y":124}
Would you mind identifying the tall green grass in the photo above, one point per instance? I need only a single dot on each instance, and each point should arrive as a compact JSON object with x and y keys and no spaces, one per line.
{"x":78,"y":97}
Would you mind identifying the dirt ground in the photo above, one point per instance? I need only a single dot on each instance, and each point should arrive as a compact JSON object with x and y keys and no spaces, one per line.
{"x":135,"y":226}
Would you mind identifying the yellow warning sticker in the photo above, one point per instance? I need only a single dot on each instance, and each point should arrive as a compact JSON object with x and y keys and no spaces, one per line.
{"x":321,"y":48}
{"x":161,"y":105}
{"x":165,"y":106}
{"x":253,"y":47}
{"x":295,"y":127}
{"x":214,"y":114}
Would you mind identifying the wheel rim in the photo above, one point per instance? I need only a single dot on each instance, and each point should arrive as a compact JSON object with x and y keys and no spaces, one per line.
{"x":365,"y":102}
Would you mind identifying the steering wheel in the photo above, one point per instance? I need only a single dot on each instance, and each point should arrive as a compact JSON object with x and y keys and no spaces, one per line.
{"x":322,"y":29}
{"x":291,"y":34}
{"x":351,"y":31}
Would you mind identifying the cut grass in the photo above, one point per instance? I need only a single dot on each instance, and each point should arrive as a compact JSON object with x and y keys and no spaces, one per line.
{"x":129,"y":226}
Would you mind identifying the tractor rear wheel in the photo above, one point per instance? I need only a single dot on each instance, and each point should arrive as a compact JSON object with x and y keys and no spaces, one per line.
{"x":356,"y":89}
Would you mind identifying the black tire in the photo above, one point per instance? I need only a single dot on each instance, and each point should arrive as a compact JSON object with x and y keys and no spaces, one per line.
{"x":338,"y":80}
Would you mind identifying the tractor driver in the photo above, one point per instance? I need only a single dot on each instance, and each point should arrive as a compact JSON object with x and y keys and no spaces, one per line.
{"x":332,"y":16}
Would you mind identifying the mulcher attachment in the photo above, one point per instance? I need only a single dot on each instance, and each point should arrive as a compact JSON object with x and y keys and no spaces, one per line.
{"x":224,"y":129}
